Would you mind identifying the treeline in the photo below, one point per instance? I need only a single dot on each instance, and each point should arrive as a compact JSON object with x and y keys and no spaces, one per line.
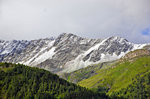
{"x":22,"y":82}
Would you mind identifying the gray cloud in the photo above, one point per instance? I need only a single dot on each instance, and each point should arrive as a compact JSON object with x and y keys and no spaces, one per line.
{"x":32,"y":19}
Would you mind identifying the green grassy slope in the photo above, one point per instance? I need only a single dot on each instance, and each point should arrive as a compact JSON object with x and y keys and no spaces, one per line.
{"x":23,"y":82}
{"x":119,"y":76}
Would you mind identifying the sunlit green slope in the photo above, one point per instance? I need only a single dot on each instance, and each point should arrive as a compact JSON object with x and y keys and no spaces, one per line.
{"x":118,"y":76}
{"x":121,"y":74}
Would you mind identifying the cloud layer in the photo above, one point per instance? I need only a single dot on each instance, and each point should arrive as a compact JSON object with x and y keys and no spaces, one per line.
{"x":32,"y":19}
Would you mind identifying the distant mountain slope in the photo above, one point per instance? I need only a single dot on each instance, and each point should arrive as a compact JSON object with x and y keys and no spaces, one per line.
{"x":23,"y":82}
{"x":66,"y":53}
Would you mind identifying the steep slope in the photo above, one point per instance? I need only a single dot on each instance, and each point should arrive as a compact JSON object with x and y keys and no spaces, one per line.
{"x":66,"y":53}
{"x":24,"y":51}
{"x":67,"y":48}
{"x":120,"y":74}
{"x":87,"y":72}
{"x":23,"y":82}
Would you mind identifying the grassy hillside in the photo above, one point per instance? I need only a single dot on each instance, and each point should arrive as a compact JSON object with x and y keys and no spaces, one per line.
{"x":139,"y":89}
{"x":118,"y":76}
{"x":23,"y":82}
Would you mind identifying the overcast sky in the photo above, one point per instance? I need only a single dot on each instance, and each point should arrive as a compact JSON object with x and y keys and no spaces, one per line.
{"x":33,"y":19}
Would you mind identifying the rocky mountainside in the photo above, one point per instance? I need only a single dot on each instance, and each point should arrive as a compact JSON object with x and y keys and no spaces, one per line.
{"x":92,"y":70}
{"x":66,"y":53}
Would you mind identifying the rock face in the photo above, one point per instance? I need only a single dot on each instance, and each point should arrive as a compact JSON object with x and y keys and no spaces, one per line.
{"x":137,"y":53}
{"x":66,"y":53}
{"x":67,"y":48}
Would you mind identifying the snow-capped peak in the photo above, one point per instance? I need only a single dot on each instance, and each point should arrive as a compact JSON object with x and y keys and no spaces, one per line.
{"x":66,"y":53}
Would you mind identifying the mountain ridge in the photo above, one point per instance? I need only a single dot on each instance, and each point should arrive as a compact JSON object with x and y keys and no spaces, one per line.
{"x":66,"y":53}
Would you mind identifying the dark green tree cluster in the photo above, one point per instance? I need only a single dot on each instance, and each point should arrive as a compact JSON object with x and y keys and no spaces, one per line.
{"x":22,"y":82}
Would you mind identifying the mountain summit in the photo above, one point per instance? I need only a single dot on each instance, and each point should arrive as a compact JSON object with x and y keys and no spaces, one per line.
{"x":66,"y":53}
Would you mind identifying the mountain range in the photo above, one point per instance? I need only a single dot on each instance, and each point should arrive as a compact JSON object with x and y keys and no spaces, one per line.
{"x":66,"y":53}
{"x":110,"y":68}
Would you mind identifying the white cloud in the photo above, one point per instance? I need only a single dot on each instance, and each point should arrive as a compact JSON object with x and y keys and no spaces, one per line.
{"x":30,"y":19}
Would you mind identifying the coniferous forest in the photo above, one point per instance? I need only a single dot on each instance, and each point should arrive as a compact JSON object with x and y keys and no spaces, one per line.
{"x":22,"y":82}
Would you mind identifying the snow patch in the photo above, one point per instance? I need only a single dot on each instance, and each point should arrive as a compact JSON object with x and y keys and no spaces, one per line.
{"x":138,"y":46}
{"x":95,"y":47}
{"x":42,"y":55}
{"x":38,"y":59}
